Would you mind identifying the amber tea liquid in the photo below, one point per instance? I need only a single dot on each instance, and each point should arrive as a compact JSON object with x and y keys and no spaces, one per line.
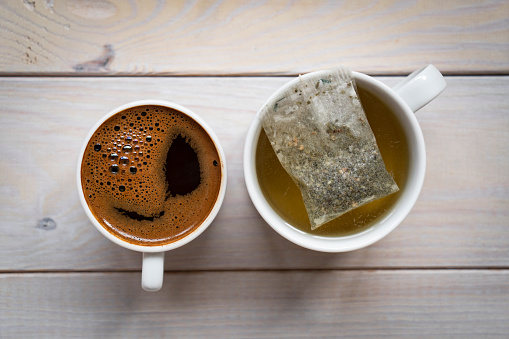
{"x":285,"y":197}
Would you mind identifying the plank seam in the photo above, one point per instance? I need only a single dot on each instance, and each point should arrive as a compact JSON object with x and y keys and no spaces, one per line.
{"x":366,"y":269}
{"x":233,"y":75}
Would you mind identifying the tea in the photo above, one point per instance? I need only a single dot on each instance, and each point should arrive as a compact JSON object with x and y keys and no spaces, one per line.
{"x":285,"y":197}
{"x":322,"y":138}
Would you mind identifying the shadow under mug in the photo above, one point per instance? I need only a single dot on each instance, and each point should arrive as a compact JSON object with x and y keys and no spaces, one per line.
{"x":153,"y":256}
{"x":414,"y":92}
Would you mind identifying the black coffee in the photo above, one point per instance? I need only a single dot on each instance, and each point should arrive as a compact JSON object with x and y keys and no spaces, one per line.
{"x":151,"y":175}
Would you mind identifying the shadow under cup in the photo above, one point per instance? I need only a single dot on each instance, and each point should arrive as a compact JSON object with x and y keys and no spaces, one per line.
{"x":278,"y":199}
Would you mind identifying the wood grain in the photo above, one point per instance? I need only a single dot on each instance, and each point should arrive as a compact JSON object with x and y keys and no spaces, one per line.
{"x":251,"y":37}
{"x":460,"y":219}
{"x":316,"y":304}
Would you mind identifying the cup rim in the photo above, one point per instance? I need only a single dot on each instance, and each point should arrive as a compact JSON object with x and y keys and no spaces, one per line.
{"x":215,"y":209}
{"x":347,"y":243}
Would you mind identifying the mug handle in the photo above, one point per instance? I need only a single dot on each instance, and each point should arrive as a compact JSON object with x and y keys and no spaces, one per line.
{"x":152,"y":271}
{"x":420,"y":87}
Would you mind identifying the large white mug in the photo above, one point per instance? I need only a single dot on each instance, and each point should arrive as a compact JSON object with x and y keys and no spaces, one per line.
{"x":153,"y":256}
{"x":418,"y":89}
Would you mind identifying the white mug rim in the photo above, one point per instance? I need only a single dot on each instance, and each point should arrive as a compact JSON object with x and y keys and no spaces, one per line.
{"x":360,"y":240}
{"x":204,"y":225}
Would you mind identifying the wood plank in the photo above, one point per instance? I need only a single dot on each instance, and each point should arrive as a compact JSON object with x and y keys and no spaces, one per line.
{"x":460,"y":219}
{"x":252,"y":37}
{"x":416,"y":304}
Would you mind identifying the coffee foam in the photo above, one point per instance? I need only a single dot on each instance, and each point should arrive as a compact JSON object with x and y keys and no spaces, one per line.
{"x":124,"y":179}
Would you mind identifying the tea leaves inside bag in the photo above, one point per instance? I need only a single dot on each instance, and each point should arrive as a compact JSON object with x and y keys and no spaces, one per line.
{"x":322,"y":138}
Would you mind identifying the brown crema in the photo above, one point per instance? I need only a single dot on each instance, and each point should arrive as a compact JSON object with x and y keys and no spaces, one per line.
{"x":151,"y":175}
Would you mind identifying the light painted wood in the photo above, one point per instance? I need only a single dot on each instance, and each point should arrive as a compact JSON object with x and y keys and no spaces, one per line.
{"x":442,"y":273}
{"x":460,"y":220}
{"x":251,"y":37}
{"x":316,"y":304}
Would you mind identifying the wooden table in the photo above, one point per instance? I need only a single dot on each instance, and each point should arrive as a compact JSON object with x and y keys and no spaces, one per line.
{"x":444,"y":272}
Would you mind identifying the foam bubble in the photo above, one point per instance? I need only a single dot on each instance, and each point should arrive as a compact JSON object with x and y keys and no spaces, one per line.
{"x":114,"y":168}
{"x":124,"y":160}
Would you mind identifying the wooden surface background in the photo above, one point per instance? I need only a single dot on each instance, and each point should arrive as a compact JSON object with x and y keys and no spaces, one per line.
{"x":64,"y":64}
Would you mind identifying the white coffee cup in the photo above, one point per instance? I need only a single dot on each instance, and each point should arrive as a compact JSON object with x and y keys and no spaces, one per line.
{"x":153,"y":256}
{"x":418,"y":89}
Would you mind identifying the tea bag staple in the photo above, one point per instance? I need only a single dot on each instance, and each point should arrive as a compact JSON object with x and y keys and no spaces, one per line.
{"x":321,"y":136}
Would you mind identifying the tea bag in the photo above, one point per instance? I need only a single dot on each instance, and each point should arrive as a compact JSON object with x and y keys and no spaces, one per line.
{"x":321,"y":136}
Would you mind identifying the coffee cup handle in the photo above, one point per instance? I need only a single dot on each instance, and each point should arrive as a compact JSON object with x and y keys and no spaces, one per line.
{"x":420,"y":87}
{"x":152,"y":271}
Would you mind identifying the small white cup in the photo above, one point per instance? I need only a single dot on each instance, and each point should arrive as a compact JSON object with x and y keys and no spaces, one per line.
{"x":418,"y":89}
{"x":153,"y":256}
